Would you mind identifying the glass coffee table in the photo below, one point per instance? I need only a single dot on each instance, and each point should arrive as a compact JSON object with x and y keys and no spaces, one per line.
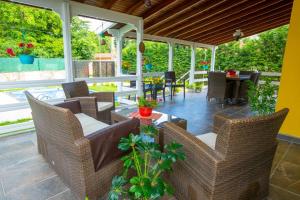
{"x":126,"y":113}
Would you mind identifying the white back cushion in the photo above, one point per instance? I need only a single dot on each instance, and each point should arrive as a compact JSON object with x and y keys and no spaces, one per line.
{"x":89,"y":125}
{"x":209,"y":139}
{"x":104,"y":105}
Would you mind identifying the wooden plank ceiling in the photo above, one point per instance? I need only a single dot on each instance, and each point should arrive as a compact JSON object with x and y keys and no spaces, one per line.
{"x":204,"y":21}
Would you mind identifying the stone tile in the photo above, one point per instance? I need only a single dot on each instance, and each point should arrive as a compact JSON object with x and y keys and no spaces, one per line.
{"x":12,"y":158}
{"x":280,"y":152}
{"x":287,"y":176}
{"x":9,"y":148}
{"x":26,"y":173}
{"x":293,"y":154}
{"x":39,"y":191}
{"x":66,"y":195}
{"x":277,"y":193}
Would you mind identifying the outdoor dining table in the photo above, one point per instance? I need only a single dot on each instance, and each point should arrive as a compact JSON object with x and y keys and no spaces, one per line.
{"x":237,"y":80}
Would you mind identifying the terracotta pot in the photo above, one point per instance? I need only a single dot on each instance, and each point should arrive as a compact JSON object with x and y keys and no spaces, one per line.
{"x":145,"y":111}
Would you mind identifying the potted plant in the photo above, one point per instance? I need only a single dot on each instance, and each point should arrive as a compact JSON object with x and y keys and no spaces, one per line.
{"x":148,"y":64}
{"x":148,"y":164}
{"x":262,"y":98}
{"x":146,"y":106}
{"x":24,"y":53}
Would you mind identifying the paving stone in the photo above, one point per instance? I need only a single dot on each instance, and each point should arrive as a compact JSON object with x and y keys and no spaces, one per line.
{"x":39,"y":191}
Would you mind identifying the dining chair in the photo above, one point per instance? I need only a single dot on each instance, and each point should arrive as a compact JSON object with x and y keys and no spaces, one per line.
{"x":218,"y":87}
{"x":243,"y":91}
{"x":171,"y":82}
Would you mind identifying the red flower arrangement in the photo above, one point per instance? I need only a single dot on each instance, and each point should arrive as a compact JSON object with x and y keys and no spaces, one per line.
{"x":24,"y":48}
{"x":204,"y":62}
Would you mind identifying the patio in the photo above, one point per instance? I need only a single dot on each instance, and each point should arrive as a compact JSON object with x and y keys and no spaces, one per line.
{"x":25,"y":175}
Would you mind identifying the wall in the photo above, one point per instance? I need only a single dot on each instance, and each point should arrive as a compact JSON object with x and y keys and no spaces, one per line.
{"x":289,"y":91}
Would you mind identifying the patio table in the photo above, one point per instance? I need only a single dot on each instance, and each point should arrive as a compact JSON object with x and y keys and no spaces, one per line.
{"x":237,"y":80}
{"x":125,"y":113}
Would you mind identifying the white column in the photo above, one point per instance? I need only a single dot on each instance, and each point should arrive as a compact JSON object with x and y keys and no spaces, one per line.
{"x":66,"y":22}
{"x":139,"y":67}
{"x":213,"y":58}
{"x":171,"y":53}
{"x":193,"y":64}
{"x":119,"y":41}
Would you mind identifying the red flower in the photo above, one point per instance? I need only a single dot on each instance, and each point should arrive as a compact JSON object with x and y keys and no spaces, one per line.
{"x":21,"y":45}
{"x":29,"y":45}
{"x":10,"y":52}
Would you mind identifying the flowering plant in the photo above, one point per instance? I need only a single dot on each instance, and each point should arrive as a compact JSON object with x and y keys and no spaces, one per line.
{"x":24,"y":48}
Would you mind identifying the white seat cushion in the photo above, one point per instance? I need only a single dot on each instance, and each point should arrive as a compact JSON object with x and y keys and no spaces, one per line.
{"x":104,"y":105}
{"x":209,"y":139}
{"x":89,"y":124}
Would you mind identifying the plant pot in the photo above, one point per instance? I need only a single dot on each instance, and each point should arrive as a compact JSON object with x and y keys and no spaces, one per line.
{"x":148,"y":67}
{"x":26,"y":59}
{"x":145,"y":111}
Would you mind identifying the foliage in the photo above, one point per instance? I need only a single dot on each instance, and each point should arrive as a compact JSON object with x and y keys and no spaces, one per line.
{"x":104,"y":87}
{"x":142,"y":102}
{"x":154,"y":80}
{"x":149,"y":164}
{"x":262,"y":98}
{"x":263,"y":52}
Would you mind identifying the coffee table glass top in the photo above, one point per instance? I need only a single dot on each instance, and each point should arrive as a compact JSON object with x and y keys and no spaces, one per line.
{"x":126,"y":112}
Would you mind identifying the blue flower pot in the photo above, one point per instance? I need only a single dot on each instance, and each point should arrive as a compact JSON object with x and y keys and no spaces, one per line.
{"x":148,"y":67}
{"x":26,"y":59}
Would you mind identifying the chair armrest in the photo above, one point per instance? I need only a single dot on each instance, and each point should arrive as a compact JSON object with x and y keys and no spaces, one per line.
{"x":73,"y":106}
{"x":88,"y":105}
{"x":104,"y":96}
{"x":104,"y":143}
{"x":219,"y":122}
{"x":200,"y":160}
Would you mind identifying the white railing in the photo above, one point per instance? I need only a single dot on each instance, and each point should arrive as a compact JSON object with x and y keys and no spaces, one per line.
{"x":44,"y":83}
{"x":153,"y":74}
{"x":271,"y":75}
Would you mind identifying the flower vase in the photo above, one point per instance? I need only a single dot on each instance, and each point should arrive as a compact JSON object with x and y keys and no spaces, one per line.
{"x":26,"y":59}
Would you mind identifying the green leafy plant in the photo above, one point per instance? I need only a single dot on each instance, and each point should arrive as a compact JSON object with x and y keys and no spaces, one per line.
{"x":262,"y":98}
{"x":148,"y":163}
{"x":142,"y":102}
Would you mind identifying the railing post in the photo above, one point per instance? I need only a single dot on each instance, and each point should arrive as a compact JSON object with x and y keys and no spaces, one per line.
{"x":170,"y":57}
{"x":213,"y":58}
{"x":193,"y":64}
{"x":139,"y":67}
{"x":66,"y":22}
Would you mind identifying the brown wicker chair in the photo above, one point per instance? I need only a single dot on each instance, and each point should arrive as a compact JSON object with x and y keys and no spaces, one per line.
{"x":82,"y":150}
{"x":105,"y":100}
{"x":243,"y":91}
{"x":218,"y":87}
{"x":233,"y":163}
{"x":170,"y":82}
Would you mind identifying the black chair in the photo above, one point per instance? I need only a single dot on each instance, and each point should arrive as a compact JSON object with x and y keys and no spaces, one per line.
{"x":147,"y":87}
{"x":170,"y":82}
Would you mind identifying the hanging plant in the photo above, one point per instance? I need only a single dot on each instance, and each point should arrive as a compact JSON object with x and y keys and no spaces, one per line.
{"x":24,"y":52}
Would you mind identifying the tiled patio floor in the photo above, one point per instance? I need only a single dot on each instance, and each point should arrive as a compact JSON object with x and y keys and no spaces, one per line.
{"x":24,"y":175}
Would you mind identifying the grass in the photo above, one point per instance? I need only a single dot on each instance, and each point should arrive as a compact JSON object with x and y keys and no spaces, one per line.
{"x":107,"y":87}
{"x":5,"y":123}
{"x":12,"y":89}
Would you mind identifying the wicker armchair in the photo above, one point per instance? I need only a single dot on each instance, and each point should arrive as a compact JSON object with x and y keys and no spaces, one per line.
{"x":82,"y":150}
{"x":233,"y":163}
{"x":105,"y":101}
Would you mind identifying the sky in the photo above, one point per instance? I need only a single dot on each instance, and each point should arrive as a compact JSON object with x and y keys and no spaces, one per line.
{"x":95,"y":25}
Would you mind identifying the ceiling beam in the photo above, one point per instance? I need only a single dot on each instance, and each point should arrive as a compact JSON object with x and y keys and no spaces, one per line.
{"x":225,"y":17}
{"x":110,"y":4}
{"x":246,"y":27}
{"x":204,"y":19}
{"x":267,"y":12}
{"x":180,"y":8}
{"x":252,"y":32}
{"x":135,"y":7}
{"x":158,"y":7}
{"x":204,"y":9}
